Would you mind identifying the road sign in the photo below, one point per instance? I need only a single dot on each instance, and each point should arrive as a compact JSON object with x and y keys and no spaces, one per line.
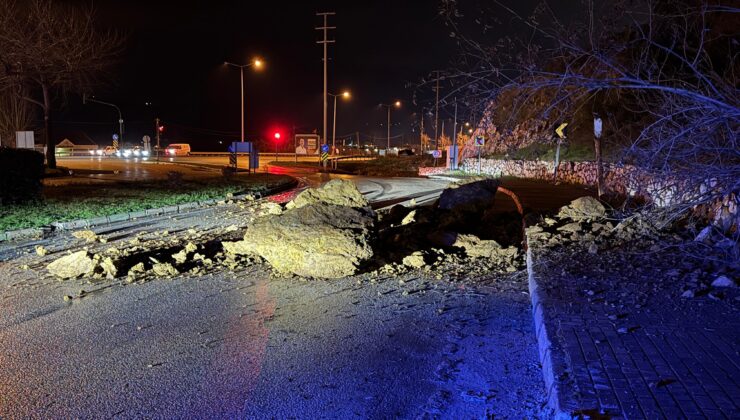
{"x":560,"y":131}
{"x":597,"y":127}
{"x":480,"y":141}
{"x":324,"y":148}
{"x":436,"y":154}
{"x":115,"y":137}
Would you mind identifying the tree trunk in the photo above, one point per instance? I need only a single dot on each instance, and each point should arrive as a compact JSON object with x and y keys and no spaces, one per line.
{"x":51,"y":158}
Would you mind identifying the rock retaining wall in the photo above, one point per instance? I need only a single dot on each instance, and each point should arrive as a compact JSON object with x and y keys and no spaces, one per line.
{"x":620,"y":179}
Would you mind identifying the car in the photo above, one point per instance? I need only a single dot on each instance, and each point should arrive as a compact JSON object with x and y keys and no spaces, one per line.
{"x":109,"y":151}
{"x":135,"y":152}
{"x":178,"y":149}
{"x":139,"y":151}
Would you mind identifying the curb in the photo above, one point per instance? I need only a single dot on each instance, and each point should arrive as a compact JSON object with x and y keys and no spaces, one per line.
{"x":42,"y":232}
{"x":553,"y":365}
{"x":443,"y":177}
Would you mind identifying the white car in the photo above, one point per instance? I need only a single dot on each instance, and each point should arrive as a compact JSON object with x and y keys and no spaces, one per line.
{"x":178,"y":149}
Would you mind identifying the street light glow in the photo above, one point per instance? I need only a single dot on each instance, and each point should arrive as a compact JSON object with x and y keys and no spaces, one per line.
{"x":258,"y":63}
{"x":398,"y":104}
{"x":345,"y":94}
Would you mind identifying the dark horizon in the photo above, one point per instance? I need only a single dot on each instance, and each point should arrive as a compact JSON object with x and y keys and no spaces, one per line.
{"x":174,"y":60}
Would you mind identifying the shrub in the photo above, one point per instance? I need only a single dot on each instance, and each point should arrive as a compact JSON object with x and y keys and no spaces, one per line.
{"x":21,"y":171}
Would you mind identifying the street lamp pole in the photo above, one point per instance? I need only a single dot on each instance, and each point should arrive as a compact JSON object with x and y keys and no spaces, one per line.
{"x":397,"y":104}
{"x":255,"y":63}
{"x":241,"y":73}
{"x":345,"y":95}
{"x":85,"y":99}
{"x":388,"y":134}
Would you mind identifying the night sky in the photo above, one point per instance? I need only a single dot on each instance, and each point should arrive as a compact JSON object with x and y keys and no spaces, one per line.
{"x":175,"y":53}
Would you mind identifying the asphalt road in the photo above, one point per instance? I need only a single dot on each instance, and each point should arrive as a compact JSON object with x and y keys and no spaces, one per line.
{"x":243,"y":344}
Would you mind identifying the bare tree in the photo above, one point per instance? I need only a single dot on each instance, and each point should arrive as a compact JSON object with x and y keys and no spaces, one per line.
{"x":15,"y":114}
{"x":52,"y":50}
{"x":670,"y":66}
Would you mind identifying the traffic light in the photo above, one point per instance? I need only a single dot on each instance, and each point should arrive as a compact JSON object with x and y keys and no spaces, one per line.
{"x":277,"y":135}
{"x":161,"y":128}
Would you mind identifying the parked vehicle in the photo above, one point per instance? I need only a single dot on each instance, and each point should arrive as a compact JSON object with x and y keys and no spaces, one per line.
{"x":178,"y":149}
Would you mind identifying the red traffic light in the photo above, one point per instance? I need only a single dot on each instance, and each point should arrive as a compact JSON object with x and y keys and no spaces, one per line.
{"x":277,"y":136}
{"x":161,"y":129}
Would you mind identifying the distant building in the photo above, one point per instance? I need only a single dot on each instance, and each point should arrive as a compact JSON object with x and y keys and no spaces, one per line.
{"x":80,"y":145}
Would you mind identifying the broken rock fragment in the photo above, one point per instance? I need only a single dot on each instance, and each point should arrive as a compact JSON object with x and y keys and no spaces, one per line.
{"x":338,"y":192}
{"x":87,"y":235}
{"x":164,"y":270}
{"x":415,"y":260}
{"x":72,"y":266}
{"x":583,"y":208}
{"x":480,"y":248}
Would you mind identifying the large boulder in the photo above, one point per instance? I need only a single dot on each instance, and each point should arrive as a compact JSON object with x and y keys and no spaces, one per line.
{"x":312,"y":240}
{"x":72,"y":266}
{"x":583,"y":208}
{"x":475,"y":197}
{"x":339,"y":192}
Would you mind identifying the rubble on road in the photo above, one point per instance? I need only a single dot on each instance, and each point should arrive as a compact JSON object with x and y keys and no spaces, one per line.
{"x":313,"y":240}
{"x":72,"y":266}
{"x":415,"y":260}
{"x":338,"y":192}
{"x":583,"y":208}
{"x":477,"y":248}
{"x":87,"y":235}
{"x":328,"y":232}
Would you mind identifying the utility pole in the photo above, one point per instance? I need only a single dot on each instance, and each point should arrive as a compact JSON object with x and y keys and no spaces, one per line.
{"x":388,"y":136}
{"x":453,"y":150}
{"x":325,"y":42}
{"x":156,"y":130}
{"x":421,"y":136}
{"x":436,"y":115}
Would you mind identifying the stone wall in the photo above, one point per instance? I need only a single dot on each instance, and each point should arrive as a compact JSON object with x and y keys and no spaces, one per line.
{"x":620,"y":179}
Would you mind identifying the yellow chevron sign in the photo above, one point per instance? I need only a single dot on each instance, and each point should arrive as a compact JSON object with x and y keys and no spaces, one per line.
{"x":560,"y":131}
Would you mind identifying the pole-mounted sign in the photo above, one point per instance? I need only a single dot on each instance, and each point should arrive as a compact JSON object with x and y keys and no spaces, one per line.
{"x":597,"y":127}
{"x":479,"y":142}
{"x":324,"y":152}
{"x":560,"y":130}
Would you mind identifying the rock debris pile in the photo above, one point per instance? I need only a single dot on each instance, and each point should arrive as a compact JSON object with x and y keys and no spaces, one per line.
{"x":686,"y":265}
{"x":327,"y":232}
{"x":323,"y":232}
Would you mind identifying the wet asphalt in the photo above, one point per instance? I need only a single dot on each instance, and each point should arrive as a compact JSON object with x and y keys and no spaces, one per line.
{"x":244,"y":344}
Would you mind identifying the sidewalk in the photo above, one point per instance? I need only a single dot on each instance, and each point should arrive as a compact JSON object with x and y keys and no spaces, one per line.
{"x":632,"y":329}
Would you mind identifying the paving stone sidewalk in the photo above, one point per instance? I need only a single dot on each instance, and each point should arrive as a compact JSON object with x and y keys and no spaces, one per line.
{"x":618,"y":341}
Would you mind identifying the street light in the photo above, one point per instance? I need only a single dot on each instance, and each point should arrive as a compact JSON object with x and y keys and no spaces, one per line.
{"x":257,"y":63}
{"x":344,"y":95}
{"x":396,"y":104}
